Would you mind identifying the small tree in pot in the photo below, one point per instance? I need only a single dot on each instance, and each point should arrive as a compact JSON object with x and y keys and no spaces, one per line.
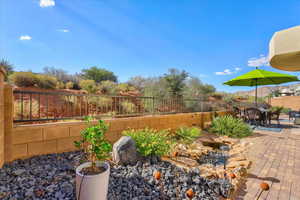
{"x":92,"y":177}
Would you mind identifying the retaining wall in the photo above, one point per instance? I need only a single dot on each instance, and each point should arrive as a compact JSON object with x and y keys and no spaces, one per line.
{"x":2,"y":74}
{"x":30,"y":140}
{"x":23,"y":141}
{"x":292,"y":102}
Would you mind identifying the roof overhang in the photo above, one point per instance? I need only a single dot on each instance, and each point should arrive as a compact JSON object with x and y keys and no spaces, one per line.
{"x":284,"y":49}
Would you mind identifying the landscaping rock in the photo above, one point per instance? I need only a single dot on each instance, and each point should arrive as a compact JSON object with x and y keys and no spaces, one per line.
{"x":124,"y":151}
{"x":18,"y":172}
{"x":125,"y":182}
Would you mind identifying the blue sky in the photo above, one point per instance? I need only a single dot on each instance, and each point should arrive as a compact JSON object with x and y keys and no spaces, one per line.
{"x":214,"y":40}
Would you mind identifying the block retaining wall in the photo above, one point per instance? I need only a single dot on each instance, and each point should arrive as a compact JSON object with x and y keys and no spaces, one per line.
{"x":292,"y":102}
{"x":23,"y":141}
{"x":31,"y":140}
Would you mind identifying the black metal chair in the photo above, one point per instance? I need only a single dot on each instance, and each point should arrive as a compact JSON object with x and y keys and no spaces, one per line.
{"x":236,"y":111}
{"x":293,"y":114}
{"x":254,"y":116}
{"x":274,"y":115}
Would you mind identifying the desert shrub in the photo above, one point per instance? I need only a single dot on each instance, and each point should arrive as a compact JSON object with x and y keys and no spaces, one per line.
{"x":60,"y":85}
{"x":218,"y":95}
{"x":88,"y":85}
{"x":69,"y":85}
{"x":286,"y":110}
{"x":23,"y":79}
{"x":206,"y":107}
{"x":108,"y":87}
{"x":76,"y":86}
{"x":105,"y":101}
{"x":46,"y":82}
{"x":124,"y":87}
{"x":128,"y":107}
{"x":230,"y":126}
{"x":280,"y":109}
{"x":193,"y":106}
{"x":150,"y":142}
{"x":101,"y":101}
{"x":187,"y":134}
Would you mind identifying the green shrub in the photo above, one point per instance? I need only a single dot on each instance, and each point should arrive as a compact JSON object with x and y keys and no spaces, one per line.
{"x":69,"y":85}
{"x":128,"y":107}
{"x":230,"y":126}
{"x":46,"y":82}
{"x":187,"y":134}
{"x":88,"y":85}
{"x":23,"y":79}
{"x":150,"y":142}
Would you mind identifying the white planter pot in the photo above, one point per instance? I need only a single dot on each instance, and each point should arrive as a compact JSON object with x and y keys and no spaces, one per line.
{"x":92,"y":187}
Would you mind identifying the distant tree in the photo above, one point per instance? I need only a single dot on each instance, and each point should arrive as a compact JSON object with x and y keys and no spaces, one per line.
{"x":193,"y":88}
{"x":208,"y":89}
{"x":175,"y":81}
{"x":156,"y":87}
{"x":138,"y":82}
{"x":61,"y":75}
{"x":98,"y":74}
{"x":7,"y":67}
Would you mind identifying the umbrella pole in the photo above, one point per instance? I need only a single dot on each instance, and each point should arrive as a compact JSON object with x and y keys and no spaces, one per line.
{"x":256,"y":93}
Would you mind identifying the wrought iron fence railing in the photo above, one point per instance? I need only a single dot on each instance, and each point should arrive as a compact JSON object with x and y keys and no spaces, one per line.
{"x":32,"y":106}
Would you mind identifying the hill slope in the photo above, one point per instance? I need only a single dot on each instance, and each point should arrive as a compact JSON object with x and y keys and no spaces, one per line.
{"x":266,"y":90}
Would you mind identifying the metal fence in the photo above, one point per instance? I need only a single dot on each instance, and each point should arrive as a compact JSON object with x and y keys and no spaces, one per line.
{"x":32,"y":106}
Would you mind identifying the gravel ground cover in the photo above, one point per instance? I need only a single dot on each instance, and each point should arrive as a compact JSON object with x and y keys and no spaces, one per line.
{"x":53,"y":177}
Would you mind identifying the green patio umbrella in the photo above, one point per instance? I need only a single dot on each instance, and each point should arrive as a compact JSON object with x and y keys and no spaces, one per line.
{"x":261,"y":77}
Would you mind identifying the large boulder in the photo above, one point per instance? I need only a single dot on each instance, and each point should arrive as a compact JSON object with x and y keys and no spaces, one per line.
{"x":124,"y":151}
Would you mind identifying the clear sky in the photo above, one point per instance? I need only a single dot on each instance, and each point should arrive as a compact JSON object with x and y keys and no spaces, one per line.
{"x":214,"y":40}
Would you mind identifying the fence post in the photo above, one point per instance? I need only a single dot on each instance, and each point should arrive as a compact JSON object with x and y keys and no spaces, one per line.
{"x":153,"y":98}
{"x":2,"y":75}
{"x":8,"y":120}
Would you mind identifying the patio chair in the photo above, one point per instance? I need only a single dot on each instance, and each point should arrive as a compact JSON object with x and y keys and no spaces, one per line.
{"x":293,"y":114}
{"x":236,"y":111}
{"x":274,"y":115}
{"x":254,"y":116}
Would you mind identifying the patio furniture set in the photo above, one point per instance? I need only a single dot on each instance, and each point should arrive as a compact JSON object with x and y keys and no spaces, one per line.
{"x":258,"y":116}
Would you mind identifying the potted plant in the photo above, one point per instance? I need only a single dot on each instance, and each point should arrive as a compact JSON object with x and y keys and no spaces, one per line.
{"x":92,"y":177}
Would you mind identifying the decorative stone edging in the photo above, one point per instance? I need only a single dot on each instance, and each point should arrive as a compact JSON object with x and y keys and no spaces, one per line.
{"x":236,"y":165}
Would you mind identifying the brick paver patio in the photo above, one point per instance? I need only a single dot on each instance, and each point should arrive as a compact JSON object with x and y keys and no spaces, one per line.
{"x":276,"y":160}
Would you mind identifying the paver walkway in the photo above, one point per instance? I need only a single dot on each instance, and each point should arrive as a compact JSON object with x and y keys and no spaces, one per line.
{"x":276,"y":160}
